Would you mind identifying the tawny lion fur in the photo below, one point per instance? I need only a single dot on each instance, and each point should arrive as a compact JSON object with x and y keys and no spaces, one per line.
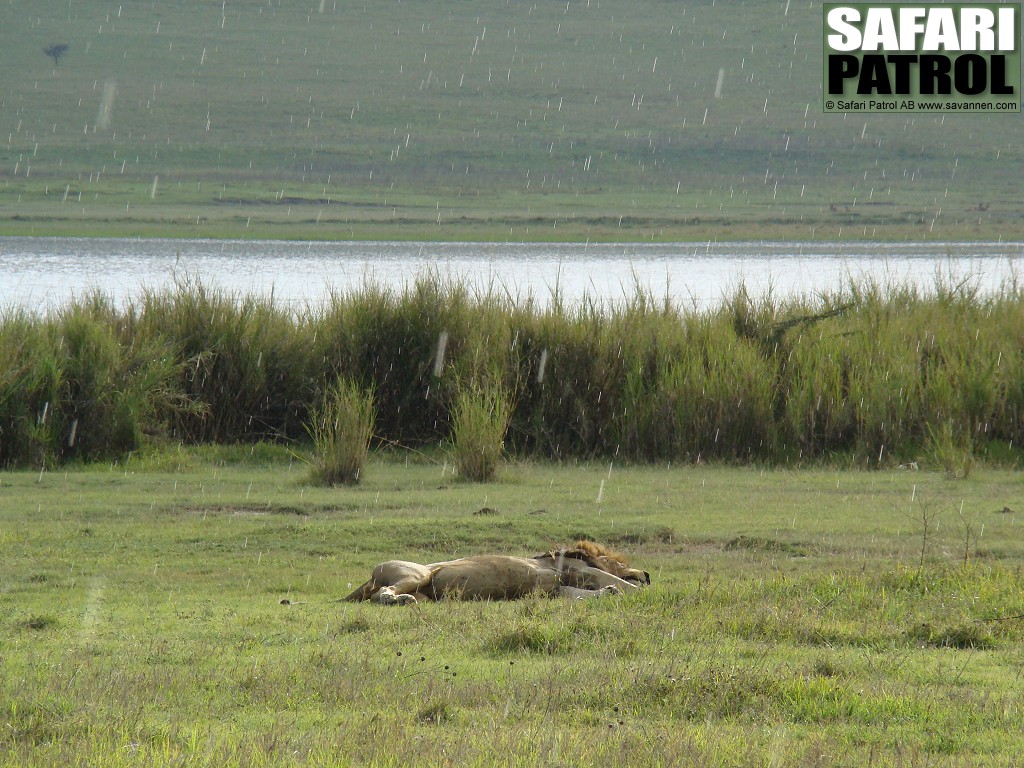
{"x":585,"y":569}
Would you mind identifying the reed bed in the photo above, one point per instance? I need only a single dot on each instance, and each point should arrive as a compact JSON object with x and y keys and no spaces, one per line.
{"x":870,"y":373}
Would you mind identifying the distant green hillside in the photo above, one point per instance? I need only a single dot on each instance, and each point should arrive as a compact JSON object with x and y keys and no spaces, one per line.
{"x":585,"y":119}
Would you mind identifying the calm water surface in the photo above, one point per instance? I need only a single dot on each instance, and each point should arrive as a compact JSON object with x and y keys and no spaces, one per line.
{"x":44,"y":273}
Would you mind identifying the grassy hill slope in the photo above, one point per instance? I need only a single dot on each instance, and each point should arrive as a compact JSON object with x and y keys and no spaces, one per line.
{"x":601,"y":120}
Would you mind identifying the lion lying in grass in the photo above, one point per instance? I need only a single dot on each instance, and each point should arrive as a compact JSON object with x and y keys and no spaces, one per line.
{"x":585,"y":569}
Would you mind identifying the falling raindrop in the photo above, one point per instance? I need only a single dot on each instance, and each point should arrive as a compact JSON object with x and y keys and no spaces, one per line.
{"x":442,"y":345}
{"x":106,"y":105}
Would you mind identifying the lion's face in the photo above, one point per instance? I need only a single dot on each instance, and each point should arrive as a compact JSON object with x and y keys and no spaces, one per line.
{"x":641,"y":577}
{"x":632,"y":575}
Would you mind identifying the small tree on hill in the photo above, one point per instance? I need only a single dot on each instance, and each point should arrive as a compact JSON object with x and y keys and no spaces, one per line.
{"x":55,"y":51}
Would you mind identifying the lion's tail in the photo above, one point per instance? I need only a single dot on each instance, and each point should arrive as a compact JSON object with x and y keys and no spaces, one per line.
{"x":361,"y":593}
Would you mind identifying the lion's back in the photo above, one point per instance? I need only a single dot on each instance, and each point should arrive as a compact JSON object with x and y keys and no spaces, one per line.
{"x":492,"y":577}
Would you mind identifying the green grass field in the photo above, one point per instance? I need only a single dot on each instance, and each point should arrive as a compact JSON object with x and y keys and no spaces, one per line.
{"x":818,"y":617}
{"x":584,"y":120}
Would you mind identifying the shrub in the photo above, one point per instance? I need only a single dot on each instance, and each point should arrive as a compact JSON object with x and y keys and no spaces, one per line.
{"x":949,"y":451}
{"x":480,"y":421}
{"x":341,"y":429}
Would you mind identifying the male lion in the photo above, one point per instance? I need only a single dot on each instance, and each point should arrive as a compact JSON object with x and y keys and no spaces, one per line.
{"x":585,"y":569}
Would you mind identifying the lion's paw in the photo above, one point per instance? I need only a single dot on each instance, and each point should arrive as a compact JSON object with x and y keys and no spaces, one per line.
{"x":388,"y":597}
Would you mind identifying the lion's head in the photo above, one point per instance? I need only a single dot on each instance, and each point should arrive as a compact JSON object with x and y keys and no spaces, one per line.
{"x":599,"y":556}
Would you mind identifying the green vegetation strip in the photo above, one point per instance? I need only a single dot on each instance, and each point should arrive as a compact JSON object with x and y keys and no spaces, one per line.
{"x":812,"y":617}
{"x":868,"y":374}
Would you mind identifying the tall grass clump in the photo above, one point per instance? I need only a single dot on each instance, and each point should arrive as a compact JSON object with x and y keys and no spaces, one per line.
{"x":697,"y":384}
{"x":30,"y":382}
{"x":949,"y":451}
{"x":109,"y":390}
{"x":480,"y":419}
{"x":341,"y":428}
{"x":406,"y":344}
{"x":244,"y":360}
{"x":866,"y":373}
{"x":73,"y":387}
{"x":559,"y":375}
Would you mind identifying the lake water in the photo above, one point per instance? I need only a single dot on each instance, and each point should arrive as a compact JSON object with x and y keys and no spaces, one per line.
{"x":42,"y":273}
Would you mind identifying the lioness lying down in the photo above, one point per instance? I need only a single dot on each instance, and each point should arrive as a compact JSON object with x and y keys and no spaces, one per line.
{"x":585,"y":569}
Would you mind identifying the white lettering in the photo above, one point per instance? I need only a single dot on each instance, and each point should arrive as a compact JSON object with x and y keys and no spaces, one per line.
{"x":880,"y":31}
{"x":940,"y":30}
{"x":1007,"y":29}
{"x":848,"y":38}
{"x":910,"y":27}
{"x":976,"y":29}
{"x":923,"y":28}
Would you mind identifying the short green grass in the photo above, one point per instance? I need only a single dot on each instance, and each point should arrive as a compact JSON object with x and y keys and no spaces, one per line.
{"x":583,"y":120}
{"x":811,"y":617}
